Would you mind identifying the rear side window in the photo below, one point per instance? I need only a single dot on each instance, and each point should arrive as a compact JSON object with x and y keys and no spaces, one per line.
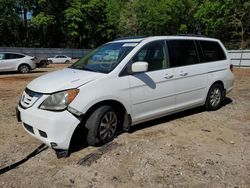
{"x":13,"y":56}
{"x":1,"y":56}
{"x":212,"y":51}
{"x":182,"y":52}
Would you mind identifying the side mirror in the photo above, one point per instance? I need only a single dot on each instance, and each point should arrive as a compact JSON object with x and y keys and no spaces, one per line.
{"x":139,"y":66}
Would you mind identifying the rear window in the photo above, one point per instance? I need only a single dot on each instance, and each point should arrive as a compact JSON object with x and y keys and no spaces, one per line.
{"x":212,"y":51}
{"x":13,"y":56}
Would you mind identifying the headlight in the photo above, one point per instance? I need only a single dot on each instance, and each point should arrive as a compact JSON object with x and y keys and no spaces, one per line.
{"x":59,"y":101}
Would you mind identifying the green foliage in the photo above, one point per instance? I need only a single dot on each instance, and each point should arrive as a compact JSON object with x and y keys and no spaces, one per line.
{"x":43,"y":20}
{"x":9,"y":23}
{"x":88,"y":23}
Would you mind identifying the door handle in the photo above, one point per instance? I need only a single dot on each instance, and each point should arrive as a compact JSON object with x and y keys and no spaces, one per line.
{"x":168,"y":76}
{"x":183,"y":73}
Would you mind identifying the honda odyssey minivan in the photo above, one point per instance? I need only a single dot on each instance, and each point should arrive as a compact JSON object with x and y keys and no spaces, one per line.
{"x":123,"y":83}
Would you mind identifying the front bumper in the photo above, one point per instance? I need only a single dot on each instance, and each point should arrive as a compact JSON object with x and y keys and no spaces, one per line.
{"x":55,"y":129}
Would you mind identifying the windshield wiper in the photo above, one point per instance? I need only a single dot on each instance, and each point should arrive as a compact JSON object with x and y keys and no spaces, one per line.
{"x":83,"y":68}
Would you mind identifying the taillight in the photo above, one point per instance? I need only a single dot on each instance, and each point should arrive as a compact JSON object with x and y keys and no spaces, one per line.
{"x":231,"y":67}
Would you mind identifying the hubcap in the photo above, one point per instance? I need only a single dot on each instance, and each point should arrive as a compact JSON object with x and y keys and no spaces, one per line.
{"x":24,"y":69}
{"x":215,"y":97}
{"x":108,"y":126}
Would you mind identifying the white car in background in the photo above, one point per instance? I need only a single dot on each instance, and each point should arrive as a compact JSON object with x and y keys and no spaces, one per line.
{"x":60,"y":59}
{"x":16,"y":62}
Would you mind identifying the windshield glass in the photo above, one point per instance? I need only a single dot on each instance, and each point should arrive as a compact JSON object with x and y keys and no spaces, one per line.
{"x":105,"y":58}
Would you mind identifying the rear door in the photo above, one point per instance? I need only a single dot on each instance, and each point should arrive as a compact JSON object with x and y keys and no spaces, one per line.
{"x":190,"y":74}
{"x":9,"y":61}
{"x":3,"y":65}
{"x":12,"y":61}
{"x":61,"y":59}
{"x":152,"y":92}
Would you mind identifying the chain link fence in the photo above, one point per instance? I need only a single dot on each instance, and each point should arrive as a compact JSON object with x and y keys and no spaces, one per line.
{"x":240,"y":58}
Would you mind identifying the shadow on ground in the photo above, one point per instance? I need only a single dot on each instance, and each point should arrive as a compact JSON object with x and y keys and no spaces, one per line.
{"x":79,"y":141}
{"x":17,"y":73}
{"x":172,"y":117}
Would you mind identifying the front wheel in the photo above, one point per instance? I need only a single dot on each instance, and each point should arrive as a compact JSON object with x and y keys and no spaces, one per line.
{"x":102,"y":126}
{"x":214,"y":97}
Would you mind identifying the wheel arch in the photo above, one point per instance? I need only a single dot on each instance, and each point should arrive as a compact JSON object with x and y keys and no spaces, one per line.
{"x":122,"y":112}
{"x":23,"y":63}
{"x":118,"y":106}
{"x":218,"y":82}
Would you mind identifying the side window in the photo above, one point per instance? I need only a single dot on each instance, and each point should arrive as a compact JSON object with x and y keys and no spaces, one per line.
{"x":13,"y":56}
{"x":154,"y":54}
{"x":212,"y":51}
{"x":182,"y":52}
{"x":1,"y":56}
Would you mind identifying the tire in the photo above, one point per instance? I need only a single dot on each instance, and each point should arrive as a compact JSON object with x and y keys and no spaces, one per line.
{"x":214,"y":97}
{"x":50,"y":62}
{"x":23,"y":68}
{"x":102,"y":126}
{"x":67,"y":61}
{"x":43,"y":64}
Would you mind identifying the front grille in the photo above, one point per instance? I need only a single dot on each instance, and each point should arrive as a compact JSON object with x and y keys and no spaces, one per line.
{"x":29,"y":98}
{"x":28,"y":128}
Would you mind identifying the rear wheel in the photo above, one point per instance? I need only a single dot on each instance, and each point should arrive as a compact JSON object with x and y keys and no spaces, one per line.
{"x":43,"y":64}
{"x":214,"y":97}
{"x":23,"y":68}
{"x":67,"y":61}
{"x":102,"y":126}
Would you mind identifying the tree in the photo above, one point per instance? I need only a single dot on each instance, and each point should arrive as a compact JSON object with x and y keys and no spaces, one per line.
{"x":48,"y":18}
{"x":239,"y":19}
{"x":9,"y":23}
{"x":211,"y":16}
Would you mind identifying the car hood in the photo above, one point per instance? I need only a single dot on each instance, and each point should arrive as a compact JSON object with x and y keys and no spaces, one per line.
{"x":62,"y":80}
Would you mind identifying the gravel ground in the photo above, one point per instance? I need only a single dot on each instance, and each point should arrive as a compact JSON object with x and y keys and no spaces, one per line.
{"x":194,"y":148}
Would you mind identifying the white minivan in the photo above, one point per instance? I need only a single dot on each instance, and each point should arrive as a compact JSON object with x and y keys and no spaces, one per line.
{"x":123,"y":83}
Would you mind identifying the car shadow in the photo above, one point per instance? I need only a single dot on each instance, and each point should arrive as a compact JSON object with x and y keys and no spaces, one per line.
{"x":17,"y":73}
{"x":175,"y":116}
{"x":79,"y":141}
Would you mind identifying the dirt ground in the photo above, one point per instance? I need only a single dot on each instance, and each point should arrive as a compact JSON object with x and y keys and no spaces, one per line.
{"x":194,"y":148}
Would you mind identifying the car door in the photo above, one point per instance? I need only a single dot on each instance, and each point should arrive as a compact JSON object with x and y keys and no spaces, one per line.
{"x":191,"y":75}
{"x":62,"y":59}
{"x":8,"y":63}
{"x":152,"y":92}
{"x":2,"y":62}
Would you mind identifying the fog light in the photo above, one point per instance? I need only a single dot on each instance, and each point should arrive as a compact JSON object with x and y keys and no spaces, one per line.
{"x":53,"y":144}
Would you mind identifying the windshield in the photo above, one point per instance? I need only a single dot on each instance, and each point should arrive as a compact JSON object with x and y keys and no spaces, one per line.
{"x":105,"y":58}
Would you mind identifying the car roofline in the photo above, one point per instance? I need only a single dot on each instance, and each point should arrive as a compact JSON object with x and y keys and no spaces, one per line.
{"x":140,"y":39}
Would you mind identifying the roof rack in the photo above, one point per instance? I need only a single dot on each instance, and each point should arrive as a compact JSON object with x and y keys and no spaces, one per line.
{"x":131,"y":37}
{"x":190,"y":35}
